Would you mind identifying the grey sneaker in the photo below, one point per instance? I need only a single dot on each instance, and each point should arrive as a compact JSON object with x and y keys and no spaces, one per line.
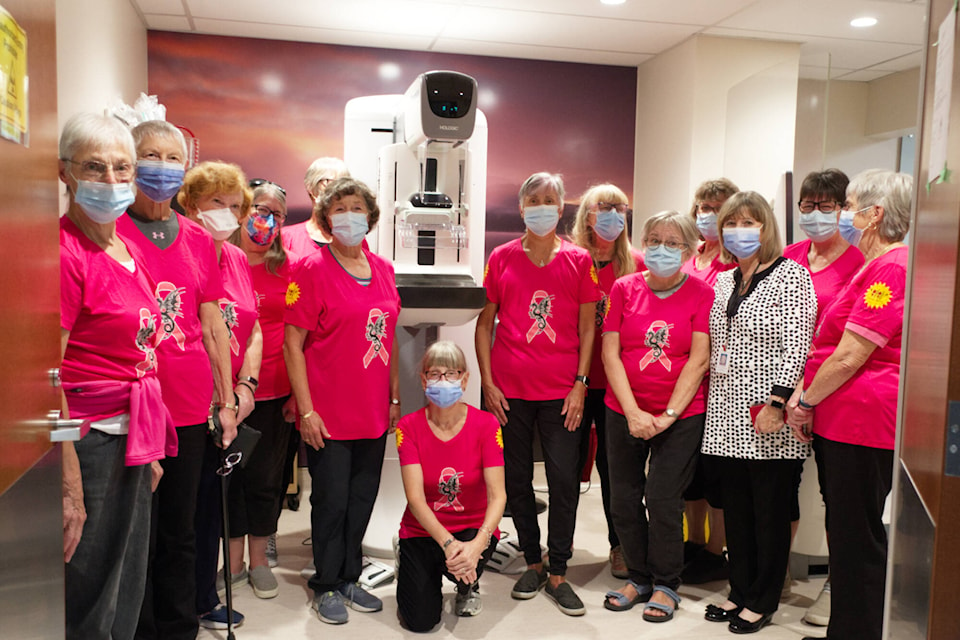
{"x":819,"y":612}
{"x":264,"y":583}
{"x":272,"y":559}
{"x":528,"y":585}
{"x":330,"y":608}
{"x":566,"y":599}
{"x":468,"y":604}
{"x":236,"y":579}
{"x":358,"y":599}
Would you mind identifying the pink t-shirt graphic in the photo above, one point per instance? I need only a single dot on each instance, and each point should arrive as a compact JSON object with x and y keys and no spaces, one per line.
{"x":239,"y":306}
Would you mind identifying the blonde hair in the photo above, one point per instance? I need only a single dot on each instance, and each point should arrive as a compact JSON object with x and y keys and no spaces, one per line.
{"x":443,"y":354}
{"x":208,"y":178}
{"x":755,"y":206}
{"x":582,"y":233}
{"x":323,"y":169}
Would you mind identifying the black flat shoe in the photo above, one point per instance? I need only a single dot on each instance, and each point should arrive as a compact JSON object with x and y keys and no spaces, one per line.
{"x":719,"y":614}
{"x":739,"y":625}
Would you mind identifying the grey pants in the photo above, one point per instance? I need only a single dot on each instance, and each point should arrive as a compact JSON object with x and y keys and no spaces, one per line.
{"x":647,"y":508}
{"x":106,"y":578}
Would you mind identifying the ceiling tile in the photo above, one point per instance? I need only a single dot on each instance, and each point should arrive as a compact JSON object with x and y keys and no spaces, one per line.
{"x":167,"y":23}
{"x":864,"y":75}
{"x":559,"y":54}
{"x":169,"y":7}
{"x":908,"y":61}
{"x":691,"y":12}
{"x":307,"y":34}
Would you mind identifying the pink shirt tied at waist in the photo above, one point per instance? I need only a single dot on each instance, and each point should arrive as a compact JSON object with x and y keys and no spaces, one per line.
{"x":152,"y":434}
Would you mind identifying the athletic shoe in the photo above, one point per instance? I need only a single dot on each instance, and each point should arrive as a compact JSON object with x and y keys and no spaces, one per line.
{"x":264,"y":583}
{"x":236,"y":579}
{"x":358,"y":599}
{"x":330,"y":608}
{"x":468,"y":604}
{"x":272,"y":558}
{"x":217,"y":619}
{"x":819,"y":612}
{"x":565,"y":598}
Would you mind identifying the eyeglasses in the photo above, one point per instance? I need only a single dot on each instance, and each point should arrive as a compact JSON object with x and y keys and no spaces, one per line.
{"x":703,"y":207}
{"x":93,"y":169}
{"x":258,"y":182}
{"x":232,"y":460}
{"x":621,"y":207}
{"x":450,"y":375}
{"x":653,"y":243}
{"x":827,"y":206}
{"x":264,"y":211}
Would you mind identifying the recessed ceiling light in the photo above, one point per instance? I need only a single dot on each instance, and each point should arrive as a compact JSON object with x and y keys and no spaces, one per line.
{"x":612,"y":1}
{"x":863,"y":22}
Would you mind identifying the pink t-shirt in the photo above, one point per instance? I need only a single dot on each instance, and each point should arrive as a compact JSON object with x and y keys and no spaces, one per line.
{"x":111,"y":315}
{"x":296,"y":239}
{"x":655,"y":339}
{"x":271,"y":292}
{"x":537,"y":346}
{"x":187,"y":275}
{"x":863,"y":410}
{"x":598,"y":378}
{"x":351,"y":332}
{"x":453,"y":482}
{"x":827,"y":282}
{"x":709,"y":273}
{"x":239,"y":306}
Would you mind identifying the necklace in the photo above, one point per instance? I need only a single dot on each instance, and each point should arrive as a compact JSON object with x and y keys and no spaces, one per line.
{"x":540,"y":261}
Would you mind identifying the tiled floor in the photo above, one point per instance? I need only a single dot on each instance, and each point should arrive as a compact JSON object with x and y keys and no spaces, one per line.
{"x":288,"y":616}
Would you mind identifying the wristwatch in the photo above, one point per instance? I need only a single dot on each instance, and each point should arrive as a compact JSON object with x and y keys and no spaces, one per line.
{"x":672,"y":414}
{"x":584,"y":379}
{"x":776,"y":404}
{"x":395,"y":401}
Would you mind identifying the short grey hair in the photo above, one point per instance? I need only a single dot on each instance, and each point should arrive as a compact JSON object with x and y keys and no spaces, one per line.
{"x":159,"y":129}
{"x":681,"y":221}
{"x":443,"y":354}
{"x":538,"y":181}
{"x":888,"y":189}
{"x":271,"y":190}
{"x":97,"y":132}
{"x":324,"y":169}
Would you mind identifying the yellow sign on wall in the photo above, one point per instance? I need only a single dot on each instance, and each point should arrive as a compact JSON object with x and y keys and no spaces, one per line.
{"x":14,"y":111}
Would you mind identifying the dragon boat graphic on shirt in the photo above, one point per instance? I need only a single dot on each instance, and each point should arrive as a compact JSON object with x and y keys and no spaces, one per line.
{"x":658,"y":339}
{"x":228,"y":310}
{"x":170,"y":299}
{"x":376,"y":331}
{"x":603,"y":307}
{"x":541,"y":310}
{"x":449,"y":487}
{"x":146,"y":341}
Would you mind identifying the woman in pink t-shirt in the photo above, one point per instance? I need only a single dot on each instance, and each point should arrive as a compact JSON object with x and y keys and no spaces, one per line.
{"x":534,"y":376}
{"x":306,"y":237}
{"x":601,"y":228}
{"x":849,"y":398}
{"x":342,"y":309}
{"x":109,"y":328}
{"x":656,"y":350}
{"x":451,"y":460}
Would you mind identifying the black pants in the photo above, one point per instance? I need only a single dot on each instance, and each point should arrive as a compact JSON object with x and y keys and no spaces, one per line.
{"x":208,"y":523}
{"x":648,"y":508}
{"x":595,"y":411}
{"x":756,"y":507}
{"x":345,"y":479}
{"x":422,"y":565}
{"x":561,"y":449}
{"x":169,"y":608}
{"x":857,"y":480}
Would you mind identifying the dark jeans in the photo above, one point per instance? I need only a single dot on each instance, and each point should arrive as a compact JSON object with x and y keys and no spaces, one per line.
{"x":561,"y":449}
{"x":256,"y":490}
{"x":648,"y":507}
{"x":422,"y":564}
{"x":169,"y":607}
{"x":346,"y":479}
{"x":857,"y":480}
{"x":106,"y":578}
{"x":757,"y":495}
{"x":595,"y":411}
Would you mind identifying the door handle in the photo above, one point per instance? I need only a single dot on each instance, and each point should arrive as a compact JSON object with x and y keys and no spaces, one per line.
{"x":64,"y":430}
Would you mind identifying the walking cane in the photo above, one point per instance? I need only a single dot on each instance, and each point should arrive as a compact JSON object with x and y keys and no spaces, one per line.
{"x":226,"y":467}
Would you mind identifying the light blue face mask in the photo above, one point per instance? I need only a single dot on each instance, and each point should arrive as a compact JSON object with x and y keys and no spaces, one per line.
{"x":444,"y":393}
{"x":349,"y":228}
{"x":742,"y":242}
{"x":663,"y":261}
{"x":542,"y":219}
{"x":104,"y":202}
{"x":819,"y":226}
{"x":707,"y":225}
{"x":847,"y":231}
{"x":609,"y":225}
{"x":158,"y":180}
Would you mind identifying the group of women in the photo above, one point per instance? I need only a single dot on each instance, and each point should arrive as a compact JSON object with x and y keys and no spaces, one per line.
{"x":680,"y":377}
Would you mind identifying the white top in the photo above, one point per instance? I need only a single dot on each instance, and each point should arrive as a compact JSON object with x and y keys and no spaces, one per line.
{"x":766,"y":344}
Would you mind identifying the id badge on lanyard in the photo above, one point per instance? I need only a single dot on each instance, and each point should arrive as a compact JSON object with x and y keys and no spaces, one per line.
{"x":723,"y":358}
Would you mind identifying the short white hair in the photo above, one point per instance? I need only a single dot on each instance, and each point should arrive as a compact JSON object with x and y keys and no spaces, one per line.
{"x":97,"y":132}
{"x":891,"y":190}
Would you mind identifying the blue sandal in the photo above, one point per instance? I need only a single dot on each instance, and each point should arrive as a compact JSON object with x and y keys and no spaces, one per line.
{"x":666,"y":608}
{"x":623,"y":603}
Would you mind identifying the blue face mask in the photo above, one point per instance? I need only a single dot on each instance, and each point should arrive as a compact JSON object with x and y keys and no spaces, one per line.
{"x":349,"y":228}
{"x":104,"y":202}
{"x":444,"y":394}
{"x":541,"y":220}
{"x":158,"y":180}
{"x":819,"y":226}
{"x":707,"y":225}
{"x":609,"y":224}
{"x":847,"y":231}
{"x":663,"y":261}
{"x":742,"y":242}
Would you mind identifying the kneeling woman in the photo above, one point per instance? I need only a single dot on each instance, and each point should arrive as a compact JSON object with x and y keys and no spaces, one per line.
{"x":451,"y":461}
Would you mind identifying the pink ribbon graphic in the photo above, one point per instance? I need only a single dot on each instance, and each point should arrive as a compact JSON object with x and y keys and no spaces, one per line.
{"x":658,"y":337}
{"x":449,"y":487}
{"x":146,"y":338}
{"x":376,"y":332}
{"x":228,"y":309}
{"x":168,"y":297}
{"x":541,"y":308}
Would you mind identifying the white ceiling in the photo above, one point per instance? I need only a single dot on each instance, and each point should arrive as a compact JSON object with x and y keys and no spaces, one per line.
{"x":572,"y":30}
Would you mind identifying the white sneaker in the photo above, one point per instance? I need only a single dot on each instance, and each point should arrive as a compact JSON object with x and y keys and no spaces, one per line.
{"x":468,"y":604}
{"x":819,"y":612}
{"x":272,"y":559}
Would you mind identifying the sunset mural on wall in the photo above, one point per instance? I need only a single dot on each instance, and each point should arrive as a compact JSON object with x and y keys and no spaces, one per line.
{"x":273,"y":106}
